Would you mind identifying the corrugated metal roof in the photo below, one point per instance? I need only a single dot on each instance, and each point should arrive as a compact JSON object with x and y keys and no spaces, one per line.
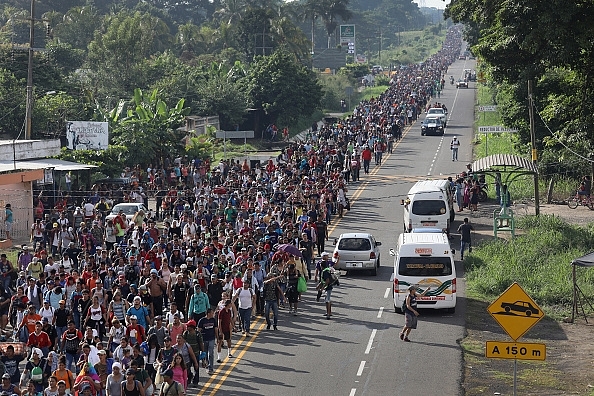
{"x":504,"y":160}
{"x":59,"y":165}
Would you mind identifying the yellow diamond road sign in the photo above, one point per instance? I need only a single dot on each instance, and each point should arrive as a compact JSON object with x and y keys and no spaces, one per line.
{"x":515,"y":311}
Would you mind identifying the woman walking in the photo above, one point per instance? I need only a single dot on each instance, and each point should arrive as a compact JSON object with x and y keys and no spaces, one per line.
{"x":410,"y":312}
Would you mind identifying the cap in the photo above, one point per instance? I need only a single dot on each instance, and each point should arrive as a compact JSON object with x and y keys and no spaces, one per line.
{"x":158,"y":317}
{"x":191,"y":323}
{"x":25,"y":247}
{"x":154,"y":271}
{"x":61,"y":302}
{"x":101,"y":352}
{"x":85,"y":386}
{"x":137,"y":298}
{"x":116,"y":364}
{"x":213,"y":276}
{"x":5,"y":375}
{"x":412,"y":287}
{"x":325,"y":254}
{"x":130,"y":371}
{"x":167,"y":373}
{"x":133,"y":317}
{"x":45,"y":320}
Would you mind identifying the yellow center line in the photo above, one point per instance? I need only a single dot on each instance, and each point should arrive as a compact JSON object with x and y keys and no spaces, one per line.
{"x":373,"y":172}
{"x":237,"y":359}
{"x":218,"y":370}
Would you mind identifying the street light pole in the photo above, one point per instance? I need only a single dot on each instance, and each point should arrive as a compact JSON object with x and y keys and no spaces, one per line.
{"x":29,"y":109}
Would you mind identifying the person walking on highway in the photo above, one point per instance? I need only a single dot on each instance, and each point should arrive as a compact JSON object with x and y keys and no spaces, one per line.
{"x":454,"y":146}
{"x":465,"y":231}
{"x":366,"y":156}
{"x":410,"y":312}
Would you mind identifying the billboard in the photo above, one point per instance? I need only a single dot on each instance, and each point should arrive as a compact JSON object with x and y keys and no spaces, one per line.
{"x":87,"y":135}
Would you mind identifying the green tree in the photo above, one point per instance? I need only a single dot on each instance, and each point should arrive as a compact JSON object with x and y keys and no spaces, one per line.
{"x":121,"y":45}
{"x":51,"y":111}
{"x":147,"y":127}
{"x":331,"y":11}
{"x":78,"y":27}
{"x":282,"y":87}
{"x":12,"y":101}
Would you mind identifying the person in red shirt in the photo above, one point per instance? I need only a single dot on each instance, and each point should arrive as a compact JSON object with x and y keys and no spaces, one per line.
{"x":366,"y":156}
{"x":39,"y":339}
{"x":134,"y":331}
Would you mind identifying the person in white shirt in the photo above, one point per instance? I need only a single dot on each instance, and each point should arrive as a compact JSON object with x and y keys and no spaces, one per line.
{"x":455,"y":145}
{"x":89,"y":210}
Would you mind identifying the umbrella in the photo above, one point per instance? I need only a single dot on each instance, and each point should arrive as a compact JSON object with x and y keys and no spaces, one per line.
{"x":287,"y":248}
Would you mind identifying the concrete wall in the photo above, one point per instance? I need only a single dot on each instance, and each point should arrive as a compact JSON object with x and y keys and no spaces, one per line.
{"x":29,"y":149}
{"x":20,"y":197}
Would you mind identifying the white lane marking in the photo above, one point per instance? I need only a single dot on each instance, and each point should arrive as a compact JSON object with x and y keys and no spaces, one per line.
{"x":361,"y":367}
{"x":370,"y":343}
{"x":353,"y":391}
{"x":392,"y":277}
{"x":379,"y":314}
{"x":387,"y":293}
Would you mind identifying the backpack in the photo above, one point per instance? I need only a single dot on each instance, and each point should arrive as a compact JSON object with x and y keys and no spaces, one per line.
{"x":403,"y":308}
{"x":37,"y":374}
{"x":333,"y":277}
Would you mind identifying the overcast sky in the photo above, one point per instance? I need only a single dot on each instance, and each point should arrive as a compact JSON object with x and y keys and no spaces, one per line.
{"x":434,"y":3}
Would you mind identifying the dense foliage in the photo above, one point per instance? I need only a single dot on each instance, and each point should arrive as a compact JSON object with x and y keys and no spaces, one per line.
{"x":551,"y":44}
{"x":221,"y":57}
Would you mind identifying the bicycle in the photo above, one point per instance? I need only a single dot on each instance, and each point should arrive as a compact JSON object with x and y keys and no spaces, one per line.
{"x":577,"y":200}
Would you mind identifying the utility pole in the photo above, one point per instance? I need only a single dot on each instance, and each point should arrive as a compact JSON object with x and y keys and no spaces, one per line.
{"x":533,"y":145}
{"x":29,"y":110}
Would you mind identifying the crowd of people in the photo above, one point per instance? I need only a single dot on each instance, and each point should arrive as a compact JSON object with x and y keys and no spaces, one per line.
{"x":114,"y":307}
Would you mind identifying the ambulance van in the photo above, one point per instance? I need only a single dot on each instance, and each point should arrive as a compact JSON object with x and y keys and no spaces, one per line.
{"x":425,"y":260}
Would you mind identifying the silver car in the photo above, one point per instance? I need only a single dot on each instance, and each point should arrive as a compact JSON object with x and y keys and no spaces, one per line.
{"x":129,"y":209}
{"x":357,"y":251}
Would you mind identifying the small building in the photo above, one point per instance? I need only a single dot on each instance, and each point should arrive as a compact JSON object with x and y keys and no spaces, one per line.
{"x":23,"y":165}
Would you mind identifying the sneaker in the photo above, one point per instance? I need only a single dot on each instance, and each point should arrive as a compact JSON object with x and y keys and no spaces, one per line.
{"x":268,"y":326}
{"x":402,"y":336}
{"x":229,"y":356}
{"x":210,"y":372}
{"x":294,"y":313}
{"x":219,"y":361}
{"x":406,"y":339}
{"x":275,"y":328}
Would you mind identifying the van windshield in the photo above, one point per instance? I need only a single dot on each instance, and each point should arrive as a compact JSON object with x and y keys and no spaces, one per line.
{"x":432,"y":207}
{"x":425,"y":266}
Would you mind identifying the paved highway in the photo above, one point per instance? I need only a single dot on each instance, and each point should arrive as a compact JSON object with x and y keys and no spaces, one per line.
{"x":358,"y":352}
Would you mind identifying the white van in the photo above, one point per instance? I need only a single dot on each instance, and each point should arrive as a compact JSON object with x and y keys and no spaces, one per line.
{"x":429,"y":203}
{"x":425,"y":260}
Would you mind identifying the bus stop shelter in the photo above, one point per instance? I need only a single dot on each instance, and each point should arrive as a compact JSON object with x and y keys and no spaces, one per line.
{"x":505,"y":168}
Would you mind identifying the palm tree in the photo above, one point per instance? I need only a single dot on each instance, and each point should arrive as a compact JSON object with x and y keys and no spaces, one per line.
{"x":231,"y":10}
{"x":331,"y":11}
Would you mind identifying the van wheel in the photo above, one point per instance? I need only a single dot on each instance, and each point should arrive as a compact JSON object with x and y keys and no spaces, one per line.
{"x":396,"y":309}
{"x":378,"y":262}
{"x":374,"y":271}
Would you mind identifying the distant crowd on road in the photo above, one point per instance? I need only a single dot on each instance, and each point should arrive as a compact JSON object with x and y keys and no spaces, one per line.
{"x":112,"y":307}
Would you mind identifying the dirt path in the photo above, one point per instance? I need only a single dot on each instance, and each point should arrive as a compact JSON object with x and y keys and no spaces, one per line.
{"x":569,"y":365}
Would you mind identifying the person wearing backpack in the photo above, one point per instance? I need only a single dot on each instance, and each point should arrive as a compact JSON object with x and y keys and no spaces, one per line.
{"x":37,"y":370}
{"x":246,"y":298}
{"x":409,"y":308}
{"x":171,"y":387}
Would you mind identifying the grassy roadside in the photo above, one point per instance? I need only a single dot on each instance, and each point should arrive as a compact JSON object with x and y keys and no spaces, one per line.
{"x":539,"y":260}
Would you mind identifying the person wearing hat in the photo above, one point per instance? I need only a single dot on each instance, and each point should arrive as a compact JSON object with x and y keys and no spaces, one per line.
{"x":198,"y":304}
{"x":113,"y":386}
{"x":140,"y":312}
{"x":157,"y":287}
{"x":410,"y":312}
{"x":134,"y":331}
{"x":7,"y":387}
{"x":37,"y":370}
{"x":170,"y":387}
